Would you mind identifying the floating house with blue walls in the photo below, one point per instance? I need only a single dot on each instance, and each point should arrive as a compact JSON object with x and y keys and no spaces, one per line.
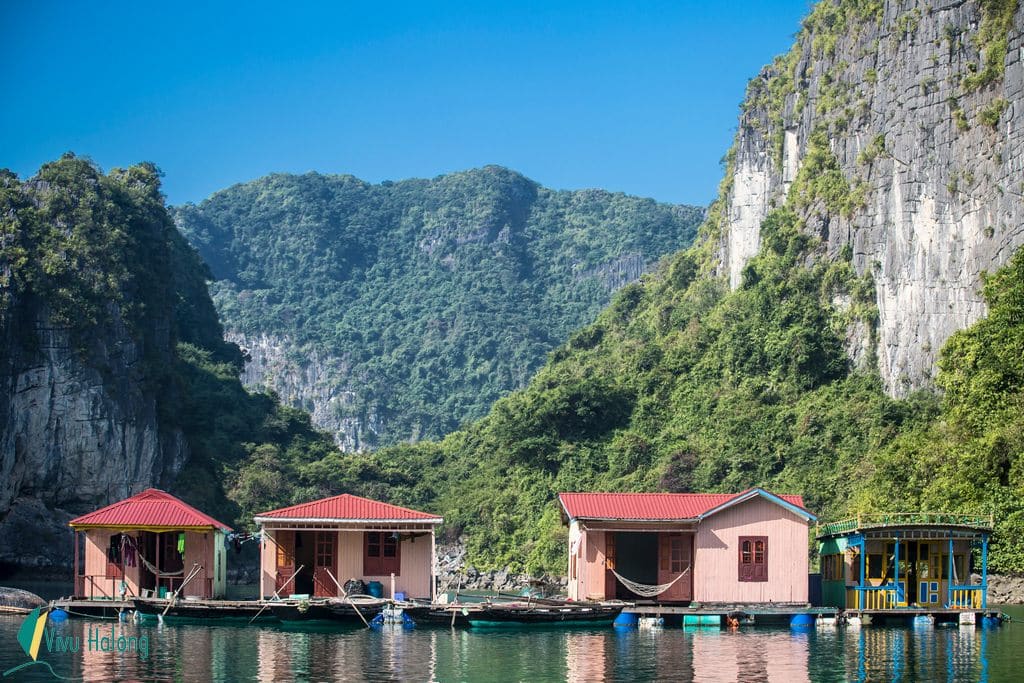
{"x":905,"y":561}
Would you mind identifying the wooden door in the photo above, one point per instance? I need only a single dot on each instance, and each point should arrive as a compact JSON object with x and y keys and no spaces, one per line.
{"x":675,"y":556}
{"x":325,"y":564}
{"x":611,"y":584}
{"x":285,"y":543}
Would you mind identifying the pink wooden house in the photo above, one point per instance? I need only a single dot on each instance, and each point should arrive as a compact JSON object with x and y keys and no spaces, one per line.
{"x":748,"y":547}
{"x":149,"y":544}
{"x":329,"y":541}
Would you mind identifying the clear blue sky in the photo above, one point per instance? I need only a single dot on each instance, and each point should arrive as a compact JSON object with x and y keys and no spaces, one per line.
{"x":639,"y":97}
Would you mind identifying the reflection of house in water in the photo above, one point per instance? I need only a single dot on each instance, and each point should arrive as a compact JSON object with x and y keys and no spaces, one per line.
{"x":918,"y":654}
{"x":770,"y":656}
{"x":887,"y":561}
{"x":585,"y":657}
{"x":149,"y":543}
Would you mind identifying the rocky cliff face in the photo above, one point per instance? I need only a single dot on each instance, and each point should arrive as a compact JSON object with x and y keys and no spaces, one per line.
{"x":80,"y":426}
{"x":79,"y":417}
{"x":309,"y":380}
{"x":919,"y":107}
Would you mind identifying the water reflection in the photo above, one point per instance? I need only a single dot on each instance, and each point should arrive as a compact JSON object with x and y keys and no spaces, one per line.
{"x":268,"y":654}
{"x":920,"y":653}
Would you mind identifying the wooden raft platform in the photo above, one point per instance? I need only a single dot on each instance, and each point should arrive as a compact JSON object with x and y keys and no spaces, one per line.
{"x":662,"y":610}
{"x":101,"y":609}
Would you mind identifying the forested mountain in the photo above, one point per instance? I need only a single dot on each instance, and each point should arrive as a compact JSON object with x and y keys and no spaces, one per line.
{"x":874,"y":181}
{"x":114,"y":374}
{"x":395,"y":312}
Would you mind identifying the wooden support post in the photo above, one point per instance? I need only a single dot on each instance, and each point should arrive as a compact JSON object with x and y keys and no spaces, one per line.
{"x":896,"y":570}
{"x":863,"y":572}
{"x":75,"y":589}
{"x":984,"y":571}
{"x":159,"y":542}
{"x":949,"y":573}
{"x":433,"y":566}
{"x":263,"y":549}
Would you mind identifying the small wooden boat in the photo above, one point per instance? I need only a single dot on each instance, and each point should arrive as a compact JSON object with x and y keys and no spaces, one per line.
{"x":530,"y":614}
{"x":329,"y":611}
{"x":447,"y":616}
{"x":222,"y":611}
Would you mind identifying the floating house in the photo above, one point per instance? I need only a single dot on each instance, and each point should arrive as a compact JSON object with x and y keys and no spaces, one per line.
{"x":748,"y":547}
{"x":148,"y":545}
{"x":903,"y":560}
{"x":315,"y":548}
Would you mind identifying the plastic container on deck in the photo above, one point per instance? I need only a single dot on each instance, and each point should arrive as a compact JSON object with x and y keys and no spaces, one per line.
{"x":375,"y":588}
{"x":400,"y":596}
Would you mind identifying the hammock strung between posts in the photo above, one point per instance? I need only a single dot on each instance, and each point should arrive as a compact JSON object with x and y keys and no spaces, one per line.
{"x":646,"y":590}
{"x":125,"y":540}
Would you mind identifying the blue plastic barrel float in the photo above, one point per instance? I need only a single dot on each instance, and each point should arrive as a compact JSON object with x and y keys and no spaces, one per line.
{"x":801,"y":621}
{"x":375,"y":588}
{"x":702,"y":620}
{"x":58,"y":615}
{"x":626,"y":620}
{"x":991,"y":622}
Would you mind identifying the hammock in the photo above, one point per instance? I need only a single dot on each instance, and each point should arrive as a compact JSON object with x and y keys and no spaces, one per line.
{"x":646,"y":590}
{"x":128,"y":540}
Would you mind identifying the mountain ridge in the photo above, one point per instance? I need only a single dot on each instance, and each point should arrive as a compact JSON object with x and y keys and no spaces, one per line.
{"x":315,"y":276}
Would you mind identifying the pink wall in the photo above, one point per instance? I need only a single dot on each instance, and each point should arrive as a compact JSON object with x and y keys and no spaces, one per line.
{"x":414,"y":579}
{"x":716,"y":574}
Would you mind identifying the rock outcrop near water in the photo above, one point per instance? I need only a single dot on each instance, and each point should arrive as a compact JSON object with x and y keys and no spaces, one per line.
{"x":919,"y":106}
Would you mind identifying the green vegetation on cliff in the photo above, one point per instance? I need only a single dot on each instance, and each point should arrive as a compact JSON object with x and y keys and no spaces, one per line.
{"x":88,"y":253}
{"x":431,"y":298}
{"x":678,"y":386}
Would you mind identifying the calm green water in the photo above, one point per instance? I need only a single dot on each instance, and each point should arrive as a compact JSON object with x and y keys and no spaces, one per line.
{"x":239,"y":653}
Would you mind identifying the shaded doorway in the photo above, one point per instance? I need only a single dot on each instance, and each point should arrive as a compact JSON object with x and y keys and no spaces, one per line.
{"x":636,"y":558}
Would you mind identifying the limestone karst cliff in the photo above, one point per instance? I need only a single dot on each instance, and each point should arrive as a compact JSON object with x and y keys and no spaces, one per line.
{"x":114,"y":374}
{"x":919,"y":106}
{"x":83,"y":334}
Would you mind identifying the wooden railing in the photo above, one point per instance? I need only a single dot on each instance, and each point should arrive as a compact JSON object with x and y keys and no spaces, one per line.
{"x":879,"y":597}
{"x":966,"y":597}
{"x":897,"y":519}
{"x":97,"y":588}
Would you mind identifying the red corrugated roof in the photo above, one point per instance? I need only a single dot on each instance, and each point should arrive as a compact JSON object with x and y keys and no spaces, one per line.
{"x":349,"y":507}
{"x":654,"y":506}
{"x":151,"y":508}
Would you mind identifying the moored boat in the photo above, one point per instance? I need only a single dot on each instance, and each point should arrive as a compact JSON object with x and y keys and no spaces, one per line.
{"x":330,"y":611}
{"x":529,"y":614}
{"x":241,"y":611}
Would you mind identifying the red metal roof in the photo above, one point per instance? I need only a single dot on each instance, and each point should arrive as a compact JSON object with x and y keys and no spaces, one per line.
{"x":349,"y":507}
{"x":657,"y":506}
{"x":151,"y":508}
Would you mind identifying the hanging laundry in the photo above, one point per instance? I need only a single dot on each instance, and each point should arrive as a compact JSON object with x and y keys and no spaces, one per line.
{"x":181,"y":544}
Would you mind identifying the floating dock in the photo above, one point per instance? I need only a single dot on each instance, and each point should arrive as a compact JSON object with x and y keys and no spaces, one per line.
{"x":93,"y":609}
{"x":739,"y":614}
